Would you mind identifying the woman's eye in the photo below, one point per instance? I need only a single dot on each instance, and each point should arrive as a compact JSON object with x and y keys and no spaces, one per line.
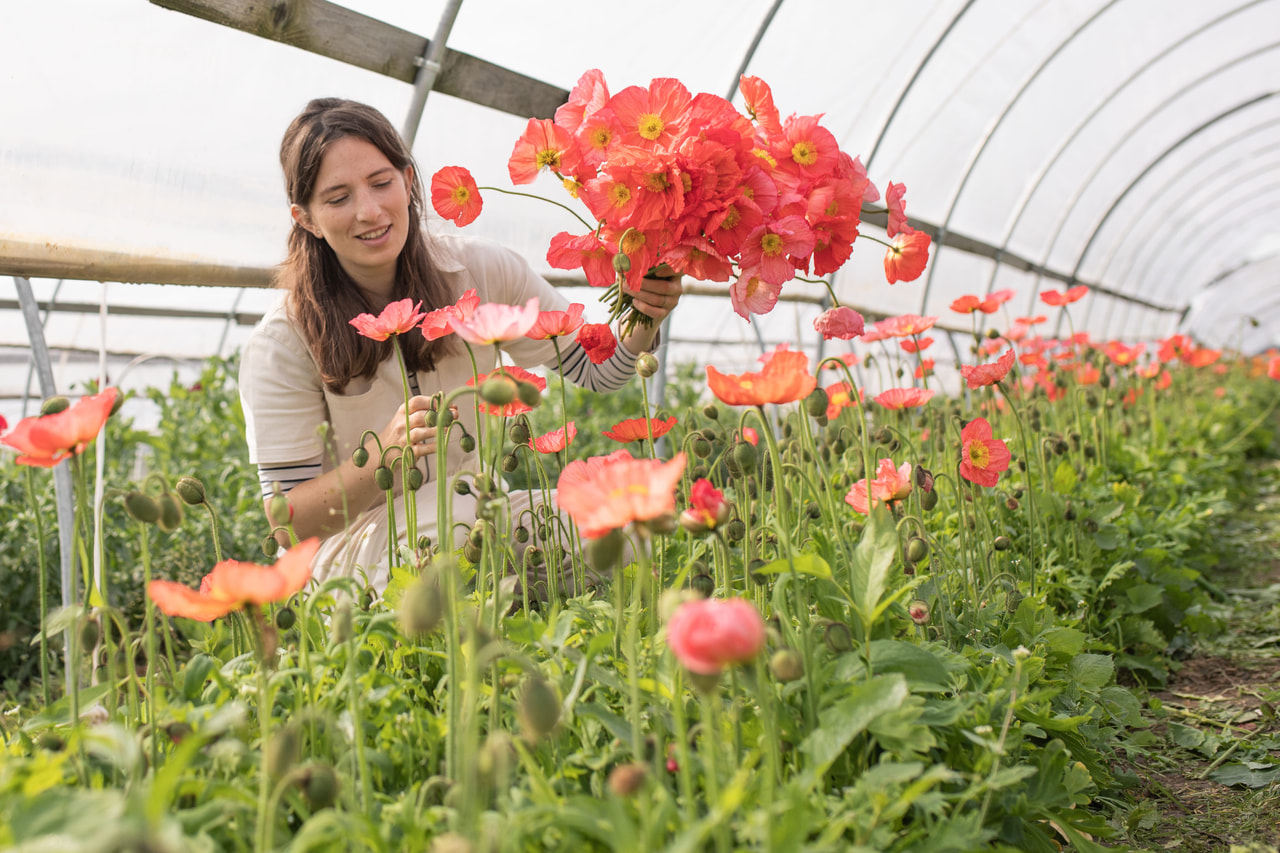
{"x":383,"y":184}
{"x":336,"y":200}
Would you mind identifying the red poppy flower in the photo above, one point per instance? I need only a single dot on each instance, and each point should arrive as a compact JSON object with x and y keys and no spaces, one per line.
{"x":982,"y":457}
{"x":556,"y":440}
{"x":396,"y":319}
{"x":636,"y":429}
{"x":515,"y":407}
{"x":556,"y":324}
{"x":1056,"y":299}
{"x":1201,"y":357}
{"x":841,"y":322}
{"x":925,"y":368}
{"x":904,"y":398}
{"x":1273,"y":368}
{"x":598,"y":340}
{"x":708,"y":509}
{"x":907,"y":255}
{"x":46,"y":440}
{"x":708,"y":634}
{"x":1087,"y":374}
{"x":988,"y":374}
{"x":435,"y":324}
{"x":455,"y":196}
{"x":233,"y":584}
{"x":784,"y":379}
{"x":605,"y":493}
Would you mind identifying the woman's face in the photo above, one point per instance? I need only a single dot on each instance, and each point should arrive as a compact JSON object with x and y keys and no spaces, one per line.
{"x":360,"y":207}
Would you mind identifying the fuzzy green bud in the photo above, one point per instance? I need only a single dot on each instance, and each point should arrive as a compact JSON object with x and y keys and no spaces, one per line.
{"x":141,"y":508}
{"x":414,"y":478}
{"x":286,"y":618}
{"x":928,"y":500}
{"x":701,"y":447}
{"x":711,"y":411}
{"x":461,"y":487}
{"x":343,"y":627}
{"x":786,"y":665}
{"x":53,"y":405}
{"x":621,"y":263}
{"x":519,"y":433}
{"x":498,"y":390}
{"x":320,"y":785}
{"x":735,"y":530}
{"x":539,"y":706}
{"x":422,"y":607}
{"x":360,"y":457}
{"x":284,"y":750}
{"x":170,"y":512}
{"x":382,"y":478}
{"x":647,"y":365}
{"x":190,"y":490}
{"x":89,"y":633}
{"x":838,"y":637}
{"x":1001,"y":543}
{"x":529,"y":394}
{"x":744,"y":455}
{"x":816,"y":403}
{"x":606,"y":550}
{"x":704,"y":585}
{"x":917,"y":549}
{"x":510,"y":463}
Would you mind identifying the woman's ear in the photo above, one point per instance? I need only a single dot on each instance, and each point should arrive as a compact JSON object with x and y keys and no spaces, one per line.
{"x":300,"y":216}
{"x":408,"y":178}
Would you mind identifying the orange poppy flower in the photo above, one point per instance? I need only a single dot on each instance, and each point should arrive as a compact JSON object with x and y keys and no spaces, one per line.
{"x":914,"y":345}
{"x":46,"y":440}
{"x":1056,"y":299}
{"x":785,"y":378}
{"x":904,"y":398}
{"x":907,"y":255}
{"x":605,"y":493}
{"x":233,"y":584}
{"x":637,"y":429}
{"x":840,"y":396}
{"x":556,"y":440}
{"x":556,"y":324}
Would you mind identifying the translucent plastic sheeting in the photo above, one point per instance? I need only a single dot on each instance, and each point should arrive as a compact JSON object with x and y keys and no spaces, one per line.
{"x":1135,"y":142}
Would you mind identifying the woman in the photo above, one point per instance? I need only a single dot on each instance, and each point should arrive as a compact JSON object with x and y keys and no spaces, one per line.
{"x":358,"y":244}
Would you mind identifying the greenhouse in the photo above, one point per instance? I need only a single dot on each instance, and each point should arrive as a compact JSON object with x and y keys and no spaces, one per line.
{"x":778,"y":425}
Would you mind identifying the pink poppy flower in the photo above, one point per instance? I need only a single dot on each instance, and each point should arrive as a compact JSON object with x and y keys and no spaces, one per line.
{"x":396,"y":319}
{"x":709,"y":634}
{"x":904,"y":398}
{"x":1056,"y":299}
{"x":890,"y":484}
{"x":557,"y":324}
{"x":493,"y":323}
{"x":980,"y":375}
{"x":750,"y":436}
{"x":751,"y":294}
{"x":893,"y":199}
{"x":435,"y":324}
{"x":556,"y":440}
{"x":232,"y":585}
{"x":607,"y":493}
{"x":982,"y":457}
{"x":45,"y":440}
{"x":841,"y":322}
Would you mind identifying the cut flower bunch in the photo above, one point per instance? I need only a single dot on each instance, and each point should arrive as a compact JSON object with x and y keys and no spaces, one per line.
{"x":683,"y":183}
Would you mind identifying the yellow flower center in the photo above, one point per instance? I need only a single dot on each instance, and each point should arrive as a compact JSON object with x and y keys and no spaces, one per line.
{"x":548,"y":159}
{"x":572,"y":186}
{"x":657,"y":182}
{"x":620,"y":195}
{"x":600,"y":137}
{"x":632,"y":242}
{"x":765,"y":156}
{"x":732,"y":218}
{"x":461,"y":195}
{"x":771,"y":244}
{"x":979,"y":454}
{"x":629,"y":489}
{"x":804,"y":153}
{"x":650,"y":126}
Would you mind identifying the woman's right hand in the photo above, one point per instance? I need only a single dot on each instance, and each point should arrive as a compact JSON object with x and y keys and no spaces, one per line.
{"x":421,"y":438}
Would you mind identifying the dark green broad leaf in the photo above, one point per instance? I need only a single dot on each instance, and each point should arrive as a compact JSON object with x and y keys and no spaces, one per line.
{"x":1091,"y":672}
{"x":872,"y":560}
{"x":1250,"y":774}
{"x":840,"y":723}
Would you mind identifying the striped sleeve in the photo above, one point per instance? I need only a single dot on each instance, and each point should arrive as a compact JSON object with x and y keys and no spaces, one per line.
{"x":609,"y":375}
{"x":288,"y":475}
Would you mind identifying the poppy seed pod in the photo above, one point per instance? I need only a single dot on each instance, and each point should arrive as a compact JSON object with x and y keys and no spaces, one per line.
{"x":190,"y":490}
{"x":170,"y":513}
{"x":141,"y":508}
{"x":647,"y":365}
{"x":53,"y":405}
{"x":529,"y":394}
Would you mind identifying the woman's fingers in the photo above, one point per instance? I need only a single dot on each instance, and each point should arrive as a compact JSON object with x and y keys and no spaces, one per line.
{"x":658,"y":296}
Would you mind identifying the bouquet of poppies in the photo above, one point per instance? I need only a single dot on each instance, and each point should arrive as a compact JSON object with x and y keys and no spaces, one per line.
{"x":680,"y":183}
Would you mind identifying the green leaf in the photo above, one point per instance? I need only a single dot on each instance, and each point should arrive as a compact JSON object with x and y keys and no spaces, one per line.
{"x":872,"y":559}
{"x":1064,"y":478}
{"x":1064,"y":641}
{"x":1144,"y":596}
{"x":805,"y":564}
{"x":1108,"y":537}
{"x":840,"y":723}
{"x":922,"y":668}
{"x":1091,"y":672}
{"x":1256,"y":776}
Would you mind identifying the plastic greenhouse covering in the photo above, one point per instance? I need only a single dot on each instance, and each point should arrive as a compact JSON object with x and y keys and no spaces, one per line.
{"x":1130,"y":145}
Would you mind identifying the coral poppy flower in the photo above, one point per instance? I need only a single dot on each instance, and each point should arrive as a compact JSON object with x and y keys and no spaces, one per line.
{"x":46,"y":440}
{"x":1056,"y":299}
{"x":709,"y":634}
{"x":893,"y":199}
{"x":1122,"y":355}
{"x":1000,"y":297}
{"x":1087,"y":374}
{"x":585,"y":252}
{"x":750,"y":437}
{"x":590,"y":95}
{"x":396,"y":319}
{"x":493,"y":323}
{"x":598,"y":340}
{"x":758,"y":99}
{"x":914,"y":346}
{"x":637,"y":429}
{"x":980,"y":375}
{"x":651,"y":118}
{"x":907,"y":255}
{"x":1175,"y":346}
{"x":556,"y":440}
{"x":751,"y":294}
{"x":770,"y":247}
{"x":557,"y":324}
{"x":807,"y":147}
{"x":841,"y":322}
{"x":904,"y":398}
{"x":543,"y":145}
{"x":968,"y":304}
{"x":605,"y":493}
{"x":455,"y":196}
{"x":233,"y":584}
{"x":708,"y":509}
{"x":1201,"y":357}
{"x":515,"y":407}
{"x":435,"y":324}
{"x":1273,"y":368}
{"x":784,"y":379}
{"x":982,"y":457}
{"x":840,"y":396}
{"x":925,"y":368}
{"x":904,"y":325}
{"x":1031,"y":321}
{"x":890,"y":484}
{"x":4,"y":425}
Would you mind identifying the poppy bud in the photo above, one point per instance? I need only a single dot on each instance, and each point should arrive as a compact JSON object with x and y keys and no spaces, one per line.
{"x":467,"y":443}
{"x":461,"y":487}
{"x":928,"y":500}
{"x":382,"y":478}
{"x":711,"y":411}
{"x":141,"y":508}
{"x":360,"y":457}
{"x":270,"y":547}
{"x":993,"y":334}
{"x":786,"y":665}
{"x":518,"y":433}
{"x":704,"y":585}
{"x":170,"y":513}
{"x":286,"y":618}
{"x":812,"y":510}
{"x":918,"y":611}
{"x":838,"y":637}
{"x":882,"y":436}
{"x":744,"y":455}
{"x":621,"y":263}
{"x":701,"y":447}
{"x":917,"y":549}
{"x":422,"y":607}
{"x":510,"y":463}
{"x":647,"y":365}
{"x":472,"y":552}
{"x":924,"y":478}
{"x":1012,"y":504}
{"x":320,"y":786}
{"x":539,"y":706}
{"x":498,"y":390}
{"x":53,"y":405}
{"x":284,"y":750}
{"x":50,"y":742}
{"x":626,"y":779}
{"x":606,"y":550}
{"x":1069,"y":514}
{"x":431,"y":418}
{"x":529,"y":394}
{"x":444,"y":419}
{"x":1012,"y":599}
{"x":735,"y":530}
{"x":343,"y":627}
{"x":89,"y":633}
{"x":190,"y":490}
{"x":1001,"y":543}
{"x":522,"y":534}
{"x":816,"y":403}
{"x":414,"y":479}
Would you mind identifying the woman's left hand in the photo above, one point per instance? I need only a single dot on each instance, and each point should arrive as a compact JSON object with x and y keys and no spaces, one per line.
{"x":657,"y":297}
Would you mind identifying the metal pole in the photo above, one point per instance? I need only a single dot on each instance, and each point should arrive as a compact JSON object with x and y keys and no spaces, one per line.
{"x":61,"y":473}
{"x":430,"y":70}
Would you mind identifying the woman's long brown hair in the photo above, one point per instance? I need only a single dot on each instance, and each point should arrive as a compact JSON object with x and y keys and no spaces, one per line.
{"x":323,"y":298}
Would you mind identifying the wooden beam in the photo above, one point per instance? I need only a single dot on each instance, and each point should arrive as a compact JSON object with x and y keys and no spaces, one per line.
{"x":54,"y":260}
{"x":337,"y":32}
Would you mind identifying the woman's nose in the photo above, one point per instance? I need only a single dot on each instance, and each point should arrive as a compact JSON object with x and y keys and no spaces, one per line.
{"x":366,"y":206}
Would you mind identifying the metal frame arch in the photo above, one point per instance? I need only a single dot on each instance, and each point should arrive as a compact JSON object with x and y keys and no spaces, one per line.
{"x":1032,"y":187}
{"x":1218,"y":309}
{"x":1232,"y":237}
{"x":976,"y":154}
{"x":750,"y":53}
